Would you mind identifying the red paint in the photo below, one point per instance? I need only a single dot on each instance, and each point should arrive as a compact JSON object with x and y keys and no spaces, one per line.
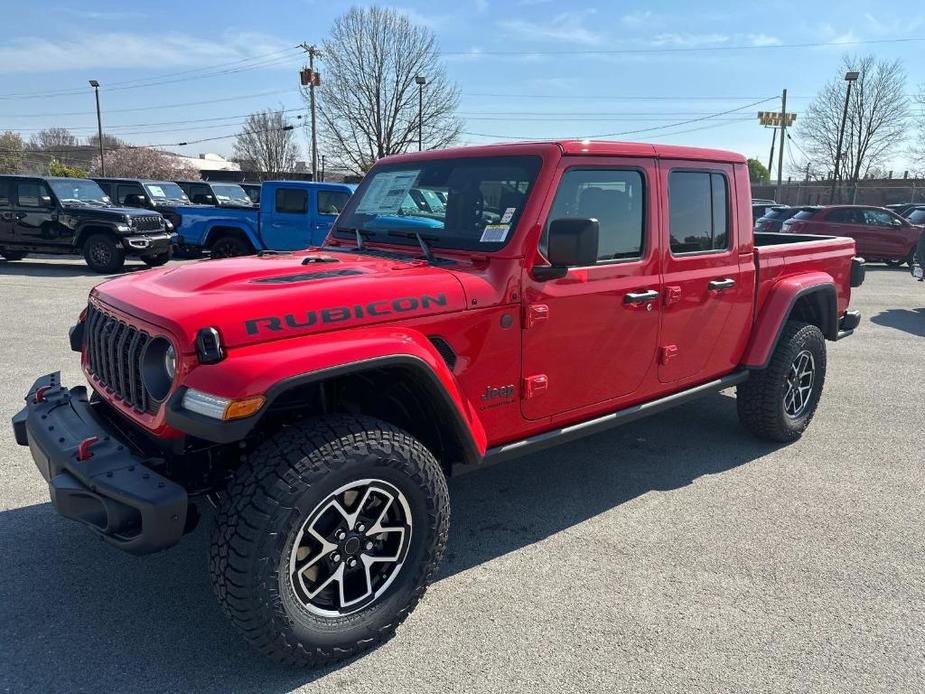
{"x":83,"y":450}
{"x":581,"y":350}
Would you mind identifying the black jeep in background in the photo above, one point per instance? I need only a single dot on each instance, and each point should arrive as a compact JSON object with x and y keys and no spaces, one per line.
{"x":73,"y":216}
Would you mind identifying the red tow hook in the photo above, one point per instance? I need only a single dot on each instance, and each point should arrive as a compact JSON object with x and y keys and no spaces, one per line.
{"x":83,"y":450}
{"x":40,"y":394}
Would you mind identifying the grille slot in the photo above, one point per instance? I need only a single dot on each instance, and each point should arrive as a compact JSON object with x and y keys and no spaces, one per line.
{"x":147,"y":223}
{"x":114,"y":350}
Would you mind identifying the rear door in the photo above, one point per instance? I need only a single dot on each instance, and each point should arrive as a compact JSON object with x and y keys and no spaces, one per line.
{"x":590,"y":337}
{"x":328,"y":204}
{"x":707,"y":306}
{"x":6,"y":212}
{"x":285,"y":222}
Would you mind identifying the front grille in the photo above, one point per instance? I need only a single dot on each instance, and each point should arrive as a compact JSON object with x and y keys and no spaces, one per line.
{"x":147,"y":223}
{"x":114,"y":350}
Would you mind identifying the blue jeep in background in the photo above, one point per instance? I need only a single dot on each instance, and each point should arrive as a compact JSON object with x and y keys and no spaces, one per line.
{"x":292,"y":215}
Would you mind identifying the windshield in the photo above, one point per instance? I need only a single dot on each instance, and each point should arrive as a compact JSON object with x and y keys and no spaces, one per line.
{"x":917,"y":217}
{"x":805,"y":214}
{"x":467,"y":203}
{"x":230,"y":194}
{"x":164,"y":192}
{"x":79,"y":191}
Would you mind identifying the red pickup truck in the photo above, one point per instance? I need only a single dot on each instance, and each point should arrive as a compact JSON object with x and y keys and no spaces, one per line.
{"x":546,"y":291}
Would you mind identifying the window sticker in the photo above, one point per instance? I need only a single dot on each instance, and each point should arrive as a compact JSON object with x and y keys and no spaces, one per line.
{"x":387,"y":192}
{"x":156,"y":192}
{"x":508,"y":215}
{"x":495,"y":233}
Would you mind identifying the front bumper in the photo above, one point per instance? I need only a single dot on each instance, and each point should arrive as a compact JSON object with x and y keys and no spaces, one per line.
{"x":155,"y":244}
{"x":111,"y":490}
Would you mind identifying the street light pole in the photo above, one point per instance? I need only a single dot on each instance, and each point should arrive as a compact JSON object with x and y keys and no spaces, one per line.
{"x":421,"y":80}
{"x":99,"y":125}
{"x":850,"y":77}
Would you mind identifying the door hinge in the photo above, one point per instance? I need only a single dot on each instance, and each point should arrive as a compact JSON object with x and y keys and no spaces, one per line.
{"x":667,"y":353}
{"x":672,"y":295}
{"x":535,"y":385}
{"x":536,"y":314}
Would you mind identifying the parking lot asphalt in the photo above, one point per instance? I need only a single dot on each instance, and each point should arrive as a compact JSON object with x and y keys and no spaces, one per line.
{"x":674,"y":554}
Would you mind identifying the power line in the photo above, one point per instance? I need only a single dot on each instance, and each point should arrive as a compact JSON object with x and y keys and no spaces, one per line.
{"x":687,"y":49}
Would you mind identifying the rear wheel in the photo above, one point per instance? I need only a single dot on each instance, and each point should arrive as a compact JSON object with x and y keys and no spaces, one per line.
{"x":229,"y":246}
{"x":327,"y":538}
{"x":156,"y":260}
{"x":778,"y":403}
{"x":103,"y":254}
{"x":12,"y":255}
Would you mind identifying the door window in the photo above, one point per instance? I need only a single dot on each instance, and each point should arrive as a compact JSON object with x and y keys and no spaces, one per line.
{"x":126,"y":189}
{"x":845,"y":215}
{"x":29,"y":193}
{"x":880,"y":218}
{"x":332,"y":201}
{"x":292,"y":200}
{"x":698,"y":211}
{"x":4,"y":194}
{"x":615,"y":198}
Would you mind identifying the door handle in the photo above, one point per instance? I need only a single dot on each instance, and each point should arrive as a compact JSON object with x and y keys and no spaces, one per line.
{"x":640,"y":297}
{"x":721,"y":285}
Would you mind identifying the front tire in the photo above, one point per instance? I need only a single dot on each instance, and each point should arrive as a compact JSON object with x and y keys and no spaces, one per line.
{"x":103,"y":254}
{"x":327,"y":538}
{"x":12,"y":255}
{"x":778,"y":402}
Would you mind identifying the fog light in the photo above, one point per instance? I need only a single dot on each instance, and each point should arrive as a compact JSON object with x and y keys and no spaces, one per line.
{"x":220,"y":408}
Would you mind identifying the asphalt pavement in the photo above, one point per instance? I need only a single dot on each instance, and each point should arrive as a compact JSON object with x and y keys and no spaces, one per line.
{"x":674,"y":554}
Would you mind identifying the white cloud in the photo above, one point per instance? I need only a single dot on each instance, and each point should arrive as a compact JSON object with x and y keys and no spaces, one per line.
{"x":762,"y":40}
{"x":566,"y":27}
{"x":127,"y":50}
{"x":639,"y":18}
{"x":688,"y":40}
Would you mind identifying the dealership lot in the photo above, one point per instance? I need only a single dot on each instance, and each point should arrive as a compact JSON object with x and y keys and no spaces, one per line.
{"x":676,"y":553}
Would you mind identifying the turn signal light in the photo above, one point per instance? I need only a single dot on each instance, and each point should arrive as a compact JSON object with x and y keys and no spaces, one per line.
{"x":243,"y":408}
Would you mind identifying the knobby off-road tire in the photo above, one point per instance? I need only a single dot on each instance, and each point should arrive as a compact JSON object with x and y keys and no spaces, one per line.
{"x":266,"y":523}
{"x":767,"y":404}
{"x":103,"y":254}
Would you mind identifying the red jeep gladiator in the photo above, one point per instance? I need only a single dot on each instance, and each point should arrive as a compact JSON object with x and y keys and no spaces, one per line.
{"x":468,"y":306}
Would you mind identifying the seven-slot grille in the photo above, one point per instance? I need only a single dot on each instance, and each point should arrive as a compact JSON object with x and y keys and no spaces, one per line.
{"x":114,"y":350}
{"x":148,"y":222}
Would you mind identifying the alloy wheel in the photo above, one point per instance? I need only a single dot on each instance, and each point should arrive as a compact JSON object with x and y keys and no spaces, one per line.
{"x":351,"y":548}
{"x":800,"y":381}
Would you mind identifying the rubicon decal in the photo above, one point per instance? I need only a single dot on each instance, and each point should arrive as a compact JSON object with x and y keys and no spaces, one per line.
{"x":340,"y":314}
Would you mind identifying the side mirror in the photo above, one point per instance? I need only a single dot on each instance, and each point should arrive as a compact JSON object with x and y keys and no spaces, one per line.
{"x":45,"y":201}
{"x":203,"y":199}
{"x":572,"y":242}
{"x":135,"y":200}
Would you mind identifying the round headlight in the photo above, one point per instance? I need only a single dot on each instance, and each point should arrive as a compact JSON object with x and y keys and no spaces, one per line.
{"x":158,"y":367}
{"x":170,"y":363}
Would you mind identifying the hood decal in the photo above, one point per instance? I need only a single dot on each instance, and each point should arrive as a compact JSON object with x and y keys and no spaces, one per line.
{"x":306,"y":276}
{"x":338,"y":314}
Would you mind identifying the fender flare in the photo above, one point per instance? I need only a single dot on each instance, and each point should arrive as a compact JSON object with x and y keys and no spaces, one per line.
{"x":779,"y":306}
{"x":80,"y":233}
{"x":321,"y":357}
{"x":245,"y":230}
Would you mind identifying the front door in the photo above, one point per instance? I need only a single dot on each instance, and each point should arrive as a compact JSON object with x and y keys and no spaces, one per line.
{"x":285,"y":222}
{"x":36,"y":218}
{"x":886,"y":235}
{"x":707,"y":305}
{"x":591,"y":336}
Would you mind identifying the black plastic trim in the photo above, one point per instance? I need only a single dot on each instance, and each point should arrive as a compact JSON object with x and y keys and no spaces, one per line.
{"x":858,"y":272}
{"x":75,"y":336}
{"x":572,"y":432}
{"x":830,"y":332}
{"x":848,"y":323}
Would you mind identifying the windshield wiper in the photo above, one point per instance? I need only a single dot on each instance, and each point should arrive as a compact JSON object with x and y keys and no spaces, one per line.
{"x":421,"y":242}
{"x":359,"y":233}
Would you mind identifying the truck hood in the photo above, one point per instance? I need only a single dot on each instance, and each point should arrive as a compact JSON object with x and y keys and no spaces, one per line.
{"x":258,"y":298}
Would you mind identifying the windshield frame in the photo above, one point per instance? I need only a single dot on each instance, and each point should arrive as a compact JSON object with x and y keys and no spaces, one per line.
{"x":63,"y":198}
{"x":532,"y":165}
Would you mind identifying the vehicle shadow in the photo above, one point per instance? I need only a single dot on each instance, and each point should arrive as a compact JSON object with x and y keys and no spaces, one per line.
{"x":77,"y":268}
{"x":77,"y":614}
{"x":911,"y":321}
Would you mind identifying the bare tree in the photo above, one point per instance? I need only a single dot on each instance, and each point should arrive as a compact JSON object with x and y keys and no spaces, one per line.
{"x":58,"y":139}
{"x":369,"y":96}
{"x":267,"y":143}
{"x":12,"y":151}
{"x":144,"y":162}
{"x":917,"y":151}
{"x":878,"y":115}
{"x":109,"y":141}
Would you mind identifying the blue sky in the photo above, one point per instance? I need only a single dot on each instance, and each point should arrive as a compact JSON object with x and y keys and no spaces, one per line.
{"x":57,"y":48}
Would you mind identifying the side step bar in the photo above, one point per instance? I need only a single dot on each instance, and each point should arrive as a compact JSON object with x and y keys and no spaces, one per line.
{"x":572,"y":432}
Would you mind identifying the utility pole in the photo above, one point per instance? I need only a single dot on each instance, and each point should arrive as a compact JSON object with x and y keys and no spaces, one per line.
{"x":783,"y":139}
{"x":99,"y":125}
{"x":771,"y":155}
{"x":850,"y":77}
{"x":421,"y":81}
{"x":322,"y":168}
{"x":312,"y":79}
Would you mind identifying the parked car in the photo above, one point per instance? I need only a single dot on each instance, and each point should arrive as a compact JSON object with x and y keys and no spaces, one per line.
{"x":215,"y":193}
{"x":776,"y":216}
{"x":918,"y":266}
{"x":253,"y":191}
{"x":760,"y":209}
{"x":73,"y":216}
{"x":321,"y":398}
{"x":902,"y":208}
{"x":163,"y":196}
{"x":880,"y":235}
{"x":916,"y":215}
{"x":292,"y":215}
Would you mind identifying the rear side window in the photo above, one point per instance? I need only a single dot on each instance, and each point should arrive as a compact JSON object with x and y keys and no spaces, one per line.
{"x":805,"y":214}
{"x":292,"y":200}
{"x":4,"y":193}
{"x":331,"y":201}
{"x":698,"y":211}
{"x":615,"y":198}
